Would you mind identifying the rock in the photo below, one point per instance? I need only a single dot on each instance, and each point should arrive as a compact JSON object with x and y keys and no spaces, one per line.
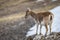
{"x":29,"y":38}
{"x":38,"y":37}
{"x":52,"y":36}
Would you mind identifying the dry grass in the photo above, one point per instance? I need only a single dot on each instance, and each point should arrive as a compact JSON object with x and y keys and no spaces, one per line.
{"x":12,"y":17}
{"x":20,"y":15}
{"x":4,"y":3}
{"x":43,"y":9}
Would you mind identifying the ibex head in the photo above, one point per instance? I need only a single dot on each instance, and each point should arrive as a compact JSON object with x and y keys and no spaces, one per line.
{"x":27,"y":12}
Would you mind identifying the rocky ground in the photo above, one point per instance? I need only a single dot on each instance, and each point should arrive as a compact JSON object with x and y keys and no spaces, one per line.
{"x":16,"y":29}
{"x":52,"y":36}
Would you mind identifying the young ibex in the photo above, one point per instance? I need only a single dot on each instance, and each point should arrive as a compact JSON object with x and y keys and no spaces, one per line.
{"x":42,"y":18}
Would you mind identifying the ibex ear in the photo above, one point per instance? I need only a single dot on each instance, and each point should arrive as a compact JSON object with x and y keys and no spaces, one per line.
{"x":28,"y":9}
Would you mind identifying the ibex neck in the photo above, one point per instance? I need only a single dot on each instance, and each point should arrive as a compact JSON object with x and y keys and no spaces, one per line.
{"x":33,"y":14}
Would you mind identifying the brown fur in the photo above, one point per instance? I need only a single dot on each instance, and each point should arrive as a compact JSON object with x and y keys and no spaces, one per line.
{"x":46,"y":17}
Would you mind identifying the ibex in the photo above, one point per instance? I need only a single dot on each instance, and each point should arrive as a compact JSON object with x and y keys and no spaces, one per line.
{"x":42,"y":18}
